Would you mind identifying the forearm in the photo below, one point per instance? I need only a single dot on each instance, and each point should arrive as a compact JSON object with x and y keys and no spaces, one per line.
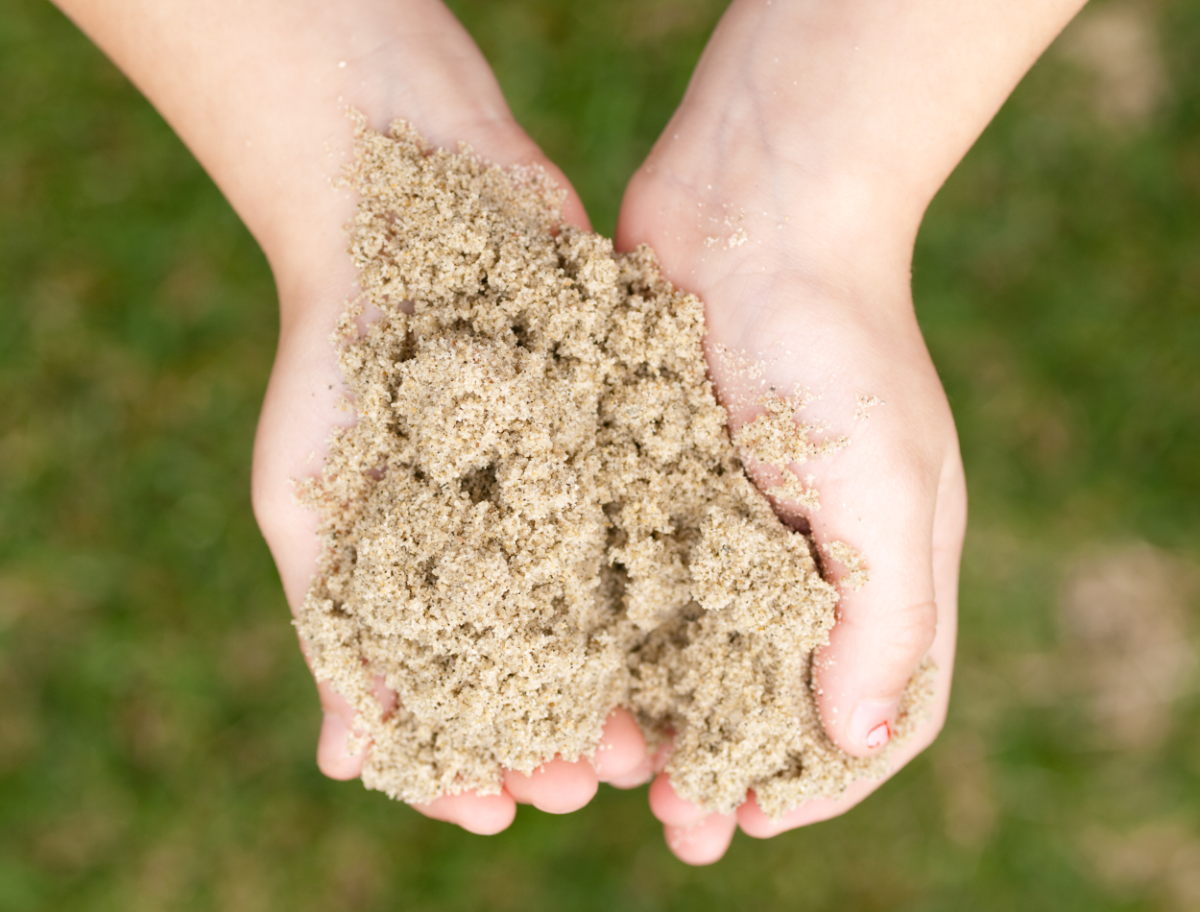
{"x":867,"y":105}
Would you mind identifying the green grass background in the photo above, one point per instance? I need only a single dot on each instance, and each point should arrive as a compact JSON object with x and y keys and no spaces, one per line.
{"x":156,"y":722}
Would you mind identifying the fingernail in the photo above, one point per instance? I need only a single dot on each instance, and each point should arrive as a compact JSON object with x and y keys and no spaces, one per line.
{"x":879,"y":735}
{"x":871,"y":723}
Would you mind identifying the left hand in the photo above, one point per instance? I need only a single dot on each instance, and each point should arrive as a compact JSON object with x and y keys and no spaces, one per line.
{"x":795,"y":272}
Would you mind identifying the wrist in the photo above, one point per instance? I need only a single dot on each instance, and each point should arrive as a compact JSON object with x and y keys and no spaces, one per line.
{"x":847,"y":114}
{"x":260,"y":93}
{"x":720,"y":199}
{"x":770,"y":144}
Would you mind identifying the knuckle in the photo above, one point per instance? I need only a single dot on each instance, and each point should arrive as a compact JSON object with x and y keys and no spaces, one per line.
{"x":911,"y":632}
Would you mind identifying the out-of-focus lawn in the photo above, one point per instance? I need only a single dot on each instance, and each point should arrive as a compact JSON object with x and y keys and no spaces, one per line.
{"x":157,"y":723}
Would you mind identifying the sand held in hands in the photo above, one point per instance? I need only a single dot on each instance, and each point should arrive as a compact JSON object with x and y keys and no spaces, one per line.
{"x":540,"y":516}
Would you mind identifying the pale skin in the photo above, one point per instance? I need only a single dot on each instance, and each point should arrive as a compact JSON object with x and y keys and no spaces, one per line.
{"x":822,"y":129}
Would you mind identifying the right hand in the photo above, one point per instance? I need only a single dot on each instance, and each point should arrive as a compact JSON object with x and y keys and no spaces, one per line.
{"x":259,"y":92}
{"x":443,"y":86}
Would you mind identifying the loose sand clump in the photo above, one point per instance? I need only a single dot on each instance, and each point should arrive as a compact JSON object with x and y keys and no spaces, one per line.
{"x":540,"y":515}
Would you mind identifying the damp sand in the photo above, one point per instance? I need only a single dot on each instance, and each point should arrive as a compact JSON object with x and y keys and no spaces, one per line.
{"x":540,"y":514}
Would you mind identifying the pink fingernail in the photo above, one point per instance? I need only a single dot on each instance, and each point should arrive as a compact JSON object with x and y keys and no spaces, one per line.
{"x":871,"y":723}
{"x":879,"y":735}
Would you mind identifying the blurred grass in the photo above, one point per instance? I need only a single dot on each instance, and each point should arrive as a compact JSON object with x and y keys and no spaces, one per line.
{"x":157,"y":723}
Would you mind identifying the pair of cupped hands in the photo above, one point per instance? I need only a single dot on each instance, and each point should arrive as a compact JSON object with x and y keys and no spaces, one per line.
{"x":757,"y":198}
{"x":799,"y":294}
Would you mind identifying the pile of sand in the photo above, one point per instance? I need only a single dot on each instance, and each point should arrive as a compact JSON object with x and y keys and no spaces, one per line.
{"x":540,"y":515}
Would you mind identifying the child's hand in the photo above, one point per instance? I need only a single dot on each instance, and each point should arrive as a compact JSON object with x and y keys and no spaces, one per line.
{"x":787,"y":192}
{"x":811,"y":140}
{"x":825,"y":322}
{"x":259,"y":92}
{"x":450,"y":95}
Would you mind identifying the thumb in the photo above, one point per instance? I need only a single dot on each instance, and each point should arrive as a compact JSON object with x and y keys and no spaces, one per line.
{"x":883,"y":530}
{"x":334,"y":758}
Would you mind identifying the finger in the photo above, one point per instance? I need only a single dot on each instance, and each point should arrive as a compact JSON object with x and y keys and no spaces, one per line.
{"x":903,"y":614}
{"x":888,"y":625}
{"x":556,"y":787}
{"x":754,"y":822}
{"x":639,"y":775}
{"x":484,"y":815}
{"x":693,"y":835}
{"x":949,"y":528}
{"x":702,"y":842}
{"x":650,"y":766}
{"x":861,"y":675}
{"x":334,"y":757}
{"x":559,"y":787}
{"x":622,"y":749}
{"x":669,"y":808}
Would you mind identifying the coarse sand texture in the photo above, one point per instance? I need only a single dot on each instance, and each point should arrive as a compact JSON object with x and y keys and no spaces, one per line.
{"x":539,"y":514}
